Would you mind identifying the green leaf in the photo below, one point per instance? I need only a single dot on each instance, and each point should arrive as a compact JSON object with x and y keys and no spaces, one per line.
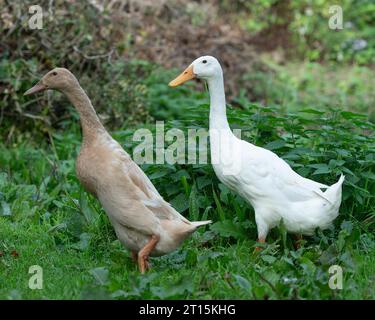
{"x":180,"y":202}
{"x":322,"y":171}
{"x":368,"y":175}
{"x":352,"y":115}
{"x":185,"y":184}
{"x":274,"y":145}
{"x":5,"y":209}
{"x":90,"y":214}
{"x":242,"y":282}
{"x":321,"y":168}
{"x":329,"y":256}
{"x":203,"y":181}
{"x":193,"y":204}
{"x":158,"y":174}
{"x":229,"y":228}
{"x":312,"y":111}
{"x":218,"y":206}
{"x":83,"y":243}
{"x":307,"y":265}
{"x":174,"y":289}
{"x":269,"y":259}
{"x":347,"y":226}
{"x":100,"y":274}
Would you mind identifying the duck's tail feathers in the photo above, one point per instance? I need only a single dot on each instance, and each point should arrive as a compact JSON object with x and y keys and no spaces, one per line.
{"x":333,"y":193}
{"x":197,"y":224}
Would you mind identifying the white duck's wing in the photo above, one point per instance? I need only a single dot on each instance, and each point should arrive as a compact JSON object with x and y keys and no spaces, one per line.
{"x":272,"y":176}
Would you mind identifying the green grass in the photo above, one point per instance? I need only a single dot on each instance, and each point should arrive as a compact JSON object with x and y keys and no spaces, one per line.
{"x":201,"y":269}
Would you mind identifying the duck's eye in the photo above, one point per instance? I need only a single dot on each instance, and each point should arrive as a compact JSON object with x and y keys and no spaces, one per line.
{"x":204,"y":61}
{"x":54,"y":73}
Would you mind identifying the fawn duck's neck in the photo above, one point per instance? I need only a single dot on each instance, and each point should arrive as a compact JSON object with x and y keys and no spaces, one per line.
{"x":89,"y":119}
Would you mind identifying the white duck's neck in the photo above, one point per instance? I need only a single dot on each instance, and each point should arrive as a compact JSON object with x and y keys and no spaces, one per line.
{"x":218,"y":115}
{"x":221,"y":136}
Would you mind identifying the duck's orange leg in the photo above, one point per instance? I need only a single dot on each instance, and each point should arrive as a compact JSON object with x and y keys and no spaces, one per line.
{"x":297,"y":243}
{"x":144,"y":253}
{"x":135,"y":256}
{"x":259,"y":248}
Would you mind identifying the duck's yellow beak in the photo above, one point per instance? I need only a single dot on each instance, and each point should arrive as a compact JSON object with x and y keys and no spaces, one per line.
{"x":37,"y":88}
{"x":188,"y":74}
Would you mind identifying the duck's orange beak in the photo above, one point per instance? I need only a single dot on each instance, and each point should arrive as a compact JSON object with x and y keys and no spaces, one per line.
{"x":188,"y":74}
{"x":37,"y":88}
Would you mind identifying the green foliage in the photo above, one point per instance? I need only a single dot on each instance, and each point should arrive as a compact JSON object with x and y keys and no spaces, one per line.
{"x":88,"y":41}
{"x":312,"y":85}
{"x":164,"y":103}
{"x":45,"y":208}
{"x":301,"y":27}
{"x":122,"y":98}
{"x":354,"y":43}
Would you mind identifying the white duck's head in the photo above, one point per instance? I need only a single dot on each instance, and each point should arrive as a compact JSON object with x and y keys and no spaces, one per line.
{"x":205,"y":67}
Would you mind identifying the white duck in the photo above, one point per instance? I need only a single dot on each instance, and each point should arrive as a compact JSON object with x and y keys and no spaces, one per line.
{"x":267,"y":182}
{"x":143,"y":221}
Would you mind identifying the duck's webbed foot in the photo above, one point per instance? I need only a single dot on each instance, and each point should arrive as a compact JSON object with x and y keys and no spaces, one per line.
{"x":144,"y":253}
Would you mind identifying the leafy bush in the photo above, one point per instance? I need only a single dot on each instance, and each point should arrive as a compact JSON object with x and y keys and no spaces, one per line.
{"x":109,"y":42}
{"x":301,"y":28}
{"x":295,"y":86}
{"x":354,"y":43}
